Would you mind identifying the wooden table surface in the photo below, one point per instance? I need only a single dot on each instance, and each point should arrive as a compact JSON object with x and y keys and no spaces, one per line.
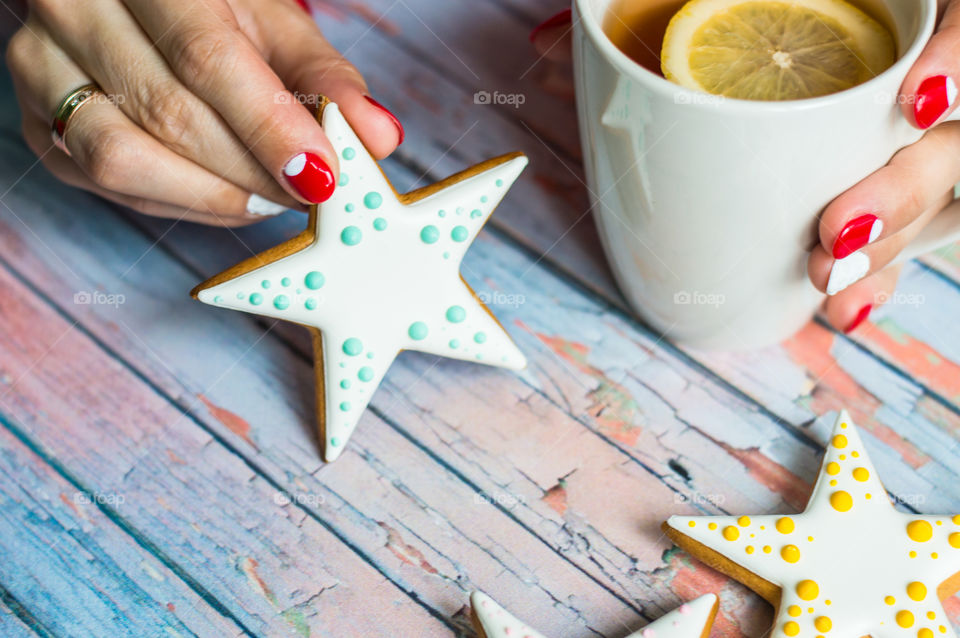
{"x":159,"y":463}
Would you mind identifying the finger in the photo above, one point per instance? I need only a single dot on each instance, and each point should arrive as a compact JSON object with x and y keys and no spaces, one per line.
{"x":116,"y":53}
{"x":850,"y":309}
{"x":553,"y":38}
{"x":893,"y":197}
{"x":113,"y":152}
{"x":930,"y":88}
{"x":208,"y":52}
{"x":310,"y":65}
{"x":836,"y":275}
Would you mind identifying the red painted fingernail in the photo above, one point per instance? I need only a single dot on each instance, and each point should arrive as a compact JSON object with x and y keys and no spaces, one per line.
{"x":303,"y":3}
{"x":563,"y":17}
{"x":934,"y":97}
{"x":311,"y":176}
{"x":391,"y":115}
{"x":859,"y":319}
{"x":856,"y":234}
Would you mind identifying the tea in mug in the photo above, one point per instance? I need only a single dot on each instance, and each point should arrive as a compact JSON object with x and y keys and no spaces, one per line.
{"x":754,"y":49}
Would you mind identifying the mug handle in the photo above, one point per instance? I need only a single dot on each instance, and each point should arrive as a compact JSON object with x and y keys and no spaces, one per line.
{"x":943,"y":230}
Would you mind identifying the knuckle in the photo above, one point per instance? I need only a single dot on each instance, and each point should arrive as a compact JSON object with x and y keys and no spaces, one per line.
{"x":108,"y":159}
{"x":170,"y":114}
{"x":20,"y":51}
{"x":203,"y":54}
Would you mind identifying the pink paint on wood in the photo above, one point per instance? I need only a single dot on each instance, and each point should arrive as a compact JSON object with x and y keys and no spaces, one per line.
{"x":773,"y":476}
{"x":407,"y":553}
{"x":236,"y":424}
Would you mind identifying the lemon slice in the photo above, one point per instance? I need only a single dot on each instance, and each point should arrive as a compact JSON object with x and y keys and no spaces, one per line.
{"x":774,"y":49}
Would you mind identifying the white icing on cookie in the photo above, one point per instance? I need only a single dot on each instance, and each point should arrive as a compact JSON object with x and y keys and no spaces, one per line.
{"x":850,"y":565}
{"x":690,"y":620}
{"x":381,"y":277}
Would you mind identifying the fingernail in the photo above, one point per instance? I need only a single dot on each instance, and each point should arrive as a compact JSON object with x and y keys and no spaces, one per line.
{"x":934,"y":97}
{"x":860,"y":318}
{"x":563,"y":17}
{"x":856,"y":234}
{"x":847,"y":271}
{"x":262,"y":206}
{"x":304,"y":5}
{"x":391,"y":115}
{"x":310,"y":176}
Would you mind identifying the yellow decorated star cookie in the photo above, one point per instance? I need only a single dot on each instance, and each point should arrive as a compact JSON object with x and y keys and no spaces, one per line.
{"x":690,"y":620}
{"x":849,"y":566}
{"x":376,"y":273}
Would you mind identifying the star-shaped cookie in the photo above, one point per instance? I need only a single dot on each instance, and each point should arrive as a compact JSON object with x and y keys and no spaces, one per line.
{"x":376,"y":273}
{"x":849,"y":566}
{"x":690,"y":620}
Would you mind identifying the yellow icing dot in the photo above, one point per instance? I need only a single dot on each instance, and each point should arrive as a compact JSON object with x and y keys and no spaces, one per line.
{"x":942,"y":629}
{"x":890,"y":600}
{"x":828,"y":602}
{"x":822,"y":623}
{"x":931,"y":615}
{"x":843,"y":426}
{"x":913,"y":554}
{"x":794,"y":610}
{"x":925,"y":633}
{"x":956,"y":519}
{"x":791,"y":628}
{"x":785,"y":525}
{"x":833,"y":468}
{"x":712,"y":525}
{"x":841,"y":501}
{"x":842,"y":457}
{"x":939,"y":523}
{"x":790,"y":553}
{"x":810,"y":538}
{"x":743,"y":521}
{"x":833,"y":483}
{"x":855,"y":454}
{"x":767,"y":549}
{"x":861,"y":474}
{"x":868,"y":496}
{"x":917,"y":591}
{"x":750,"y":549}
{"x":731,"y":533}
{"x":905,"y":618}
{"x":692,"y":523}
{"x":808,"y":590}
{"x":839,"y":441}
{"x":954,"y":540}
{"x":920,"y":531}
{"x":934,"y":555}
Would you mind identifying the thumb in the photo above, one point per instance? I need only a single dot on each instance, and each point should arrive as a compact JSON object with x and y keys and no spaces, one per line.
{"x":308,"y":64}
{"x":931,"y":85}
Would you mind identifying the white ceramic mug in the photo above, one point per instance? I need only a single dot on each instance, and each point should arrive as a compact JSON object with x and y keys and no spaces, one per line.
{"x":707,"y":207}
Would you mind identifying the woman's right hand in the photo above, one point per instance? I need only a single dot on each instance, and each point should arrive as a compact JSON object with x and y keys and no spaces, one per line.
{"x":204,"y":117}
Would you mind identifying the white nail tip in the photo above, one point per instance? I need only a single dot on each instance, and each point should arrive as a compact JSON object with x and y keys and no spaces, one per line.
{"x":257,"y":205}
{"x":875,"y":231}
{"x":951,"y":91}
{"x":295,"y":166}
{"x":847,"y":271}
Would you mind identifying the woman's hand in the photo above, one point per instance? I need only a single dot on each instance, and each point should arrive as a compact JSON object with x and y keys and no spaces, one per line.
{"x":865,"y":228}
{"x":204,"y":116}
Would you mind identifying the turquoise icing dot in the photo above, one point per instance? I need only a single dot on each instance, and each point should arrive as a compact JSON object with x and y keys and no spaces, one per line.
{"x":256,"y":299}
{"x":343,"y":365}
{"x":334,"y":441}
{"x":372,"y":200}
{"x":345,"y":384}
{"x":344,"y":179}
{"x":365,"y":373}
{"x":454,"y":343}
{"x":314,"y":280}
{"x":479,"y":356}
{"x":459,"y":233}
{"x":475,"y":213}
{"x":265,"y":284}
{"x":446,"y":255}
{"x":429,"y":234}
{"x":349,"y":153}
{"x":310,"y":304}
{"x":480,"y":337}
{"x":499,"y":182}
{"x":218,"y":299}
{"x":456,"y":314}
{"x":281,"y":302}
{"x":240,"y":295}
{"x":460,"y":210}
{"x":483,"y":199}
{"x":351,"y":236}
{"x":441,"y":213}
{"x":285,"y":282}
{"x":349,"y":208}
{"x":345,"y":406}
{"x":369,"y":355}
{"x":379,"y":224}
{"x":352,"y":347}
{"x":417,"y":331}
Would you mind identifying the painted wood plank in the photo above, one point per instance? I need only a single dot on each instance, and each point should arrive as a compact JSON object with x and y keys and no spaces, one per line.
{"x":198,"y":506}
{"x":13,"y":626}
{"x":75,"y":571}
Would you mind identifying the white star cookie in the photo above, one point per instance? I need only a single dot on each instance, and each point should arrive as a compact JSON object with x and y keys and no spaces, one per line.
{"x":849,"y":566}
{"x":690,"y":620}
{"x":376,"y":273}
